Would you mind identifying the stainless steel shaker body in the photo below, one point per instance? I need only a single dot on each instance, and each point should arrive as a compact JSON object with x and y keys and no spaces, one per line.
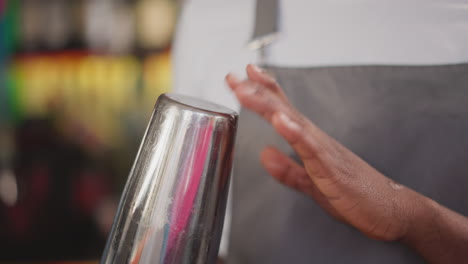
{"x":172,"y":208}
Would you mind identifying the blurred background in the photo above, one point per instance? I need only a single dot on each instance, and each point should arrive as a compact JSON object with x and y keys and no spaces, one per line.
{"x":78,"y":81}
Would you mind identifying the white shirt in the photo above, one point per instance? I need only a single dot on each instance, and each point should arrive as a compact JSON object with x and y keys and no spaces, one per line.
{"x":212,"y":39}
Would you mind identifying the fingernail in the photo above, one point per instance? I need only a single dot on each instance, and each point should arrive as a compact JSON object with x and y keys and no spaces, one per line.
{"x":232,"y":78}
{"x":273,"y":166}
{"x":257,"y":69}
{"x":265,"y":73}
{"x":288,"y":121}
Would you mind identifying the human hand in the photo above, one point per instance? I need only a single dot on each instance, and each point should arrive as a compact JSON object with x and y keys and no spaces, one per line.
{"x":338,"y":180}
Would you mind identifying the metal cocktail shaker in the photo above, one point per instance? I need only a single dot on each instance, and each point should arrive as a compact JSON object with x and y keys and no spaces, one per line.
{"x":172,"y":208}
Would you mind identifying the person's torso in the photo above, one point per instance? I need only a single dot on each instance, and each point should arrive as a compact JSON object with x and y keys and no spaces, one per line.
{"x":410,"y":123}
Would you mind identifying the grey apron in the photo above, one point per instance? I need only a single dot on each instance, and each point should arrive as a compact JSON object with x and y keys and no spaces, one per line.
{"x":410,"y":123}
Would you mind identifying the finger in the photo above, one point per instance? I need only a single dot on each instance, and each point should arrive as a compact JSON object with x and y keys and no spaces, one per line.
{"x":232,"y":81}
{"x":306,"y":139}
{"x":300,"y":133}
{"x":255,"y":95}
{"x":290,"y":173}
{"x":257,"y":98}
{"x":259,"y":75}
{"x":287,"y":171}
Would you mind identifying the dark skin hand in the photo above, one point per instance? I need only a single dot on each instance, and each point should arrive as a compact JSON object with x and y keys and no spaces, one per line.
{"x":346,"y":186}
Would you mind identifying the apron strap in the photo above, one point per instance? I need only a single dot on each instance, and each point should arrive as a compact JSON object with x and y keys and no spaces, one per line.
{"x":266,"y":27}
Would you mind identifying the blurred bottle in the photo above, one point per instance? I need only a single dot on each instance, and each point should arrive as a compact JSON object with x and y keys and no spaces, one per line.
{"x":109,"y":26}
{"x":123,"y":35}
{"x":58,"y":24}
{"x":8,"y":184}
{"x":155,"y":23}
{"x":32,"y":23}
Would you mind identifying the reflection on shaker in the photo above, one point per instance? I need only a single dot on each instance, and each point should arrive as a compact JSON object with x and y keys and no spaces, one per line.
{"x":172,"y":208}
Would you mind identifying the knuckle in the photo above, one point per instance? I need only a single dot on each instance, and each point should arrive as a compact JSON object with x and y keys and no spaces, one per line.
{"x":298,"y":135}
{"x":314,"y":167}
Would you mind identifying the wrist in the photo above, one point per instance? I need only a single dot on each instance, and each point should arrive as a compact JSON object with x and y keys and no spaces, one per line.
{"x":437,"y":233}
{"x":426,"y":231}
{"x":423,"y":221}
